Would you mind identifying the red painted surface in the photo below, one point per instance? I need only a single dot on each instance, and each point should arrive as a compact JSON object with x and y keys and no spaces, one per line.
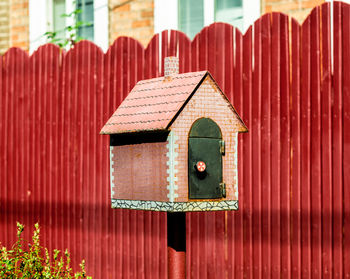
{"x":294,"y":164}
{"x":176,"y":264}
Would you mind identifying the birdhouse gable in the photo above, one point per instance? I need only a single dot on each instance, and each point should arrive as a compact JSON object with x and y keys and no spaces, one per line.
{"x":154,"y":104}
{"x":208,"y":103}
{"x":173,"y":145}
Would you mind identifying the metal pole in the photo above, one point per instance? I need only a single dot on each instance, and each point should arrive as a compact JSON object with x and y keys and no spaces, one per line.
{"x":176,"y":245}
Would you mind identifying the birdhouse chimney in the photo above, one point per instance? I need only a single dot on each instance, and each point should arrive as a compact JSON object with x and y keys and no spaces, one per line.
{"x":171,"y":66}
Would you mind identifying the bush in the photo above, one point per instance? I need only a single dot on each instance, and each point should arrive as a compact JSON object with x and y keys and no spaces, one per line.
{"x":30,"y":260}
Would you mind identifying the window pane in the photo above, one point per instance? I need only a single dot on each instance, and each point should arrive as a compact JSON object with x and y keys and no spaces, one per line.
{"x":230,"y":11}
{"x":59,"y":22}
{"x":86,"y":16}
{"x":191,"y":16}
{"x":226,"y":4}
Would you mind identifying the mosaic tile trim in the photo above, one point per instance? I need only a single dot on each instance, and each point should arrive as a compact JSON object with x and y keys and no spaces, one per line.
{"x":111,"y":169}
{"x":175,"y":206}
{"x":235,"y":188}
{"x":171,"y":163}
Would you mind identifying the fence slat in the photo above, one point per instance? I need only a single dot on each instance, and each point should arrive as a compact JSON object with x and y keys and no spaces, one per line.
{"x":255,"y":130}
{"x":246,"y":177}
{"x":337,"y":145}
{"x":276,"y":185}
{"x":296,"y":253}
{"x":346,"y":140}
{"x":316,"y":202}
{"x":285,"y":156}
{"x":326,"y":144}
{"x":266,"y":138}
{"x":235,"y":238}
{"x":305,"y":138}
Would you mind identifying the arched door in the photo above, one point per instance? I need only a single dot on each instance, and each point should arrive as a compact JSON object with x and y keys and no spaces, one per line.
{"x":205,"y":150}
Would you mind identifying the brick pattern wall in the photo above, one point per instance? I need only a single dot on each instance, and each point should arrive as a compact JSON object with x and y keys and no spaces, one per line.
{"x":139,"y":172}
{"x":171,"y":66}
{"x":19,"y":24}
{"x":299,"y":9}
{"x":4,"y":26}
{"x":131,"y":18}
{"x":207,"y":102}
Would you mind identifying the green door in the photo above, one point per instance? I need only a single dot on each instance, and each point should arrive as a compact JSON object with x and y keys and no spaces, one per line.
{"x":205,"y":160}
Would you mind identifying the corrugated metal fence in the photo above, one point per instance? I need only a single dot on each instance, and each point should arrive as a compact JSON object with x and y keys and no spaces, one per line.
{"x":294,"y":164}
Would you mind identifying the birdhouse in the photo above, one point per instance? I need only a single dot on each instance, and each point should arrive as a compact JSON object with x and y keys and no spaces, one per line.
{"x":173,"y":145}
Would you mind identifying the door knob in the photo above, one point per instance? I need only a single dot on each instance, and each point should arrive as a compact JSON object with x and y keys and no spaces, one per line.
{"x":200,"y":166}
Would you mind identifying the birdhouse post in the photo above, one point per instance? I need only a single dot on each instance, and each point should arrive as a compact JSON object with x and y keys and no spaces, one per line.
{"x":173,"y":147}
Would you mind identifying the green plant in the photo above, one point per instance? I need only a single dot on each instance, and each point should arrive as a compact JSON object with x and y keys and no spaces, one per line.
{"x":30,"y":260}
{"x":71,"y":31}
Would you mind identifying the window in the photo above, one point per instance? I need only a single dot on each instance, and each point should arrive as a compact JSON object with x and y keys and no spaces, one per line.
{"x":46,"y":15}
{"x":230,"y":11}
{"x":86,"y":16}
{"x":59,"y":22}
{"x":191,"y":16}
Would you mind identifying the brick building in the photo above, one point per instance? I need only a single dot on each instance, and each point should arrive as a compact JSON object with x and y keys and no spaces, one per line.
{"x":23,"y":22}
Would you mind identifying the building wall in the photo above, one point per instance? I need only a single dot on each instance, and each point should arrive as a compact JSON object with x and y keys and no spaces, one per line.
{"x":136,"y":18}
{"x":4,"y":26}
{"x":206,"y":102}
{"x":19,"y":23}
{"x":299,"y":9}
{"x":126,"y":18}
{"x":131,"y":18}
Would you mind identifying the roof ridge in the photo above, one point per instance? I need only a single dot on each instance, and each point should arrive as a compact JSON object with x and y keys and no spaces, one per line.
{"x":177,"y":76}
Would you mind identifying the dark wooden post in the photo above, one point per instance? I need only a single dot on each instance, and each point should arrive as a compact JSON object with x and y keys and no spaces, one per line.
{"x":176,"y":245}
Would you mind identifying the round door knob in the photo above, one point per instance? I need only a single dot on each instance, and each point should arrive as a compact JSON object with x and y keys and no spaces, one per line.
{"x":200,"y":166}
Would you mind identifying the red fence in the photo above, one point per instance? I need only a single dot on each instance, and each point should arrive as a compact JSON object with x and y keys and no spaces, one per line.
{"x":294,"y":164}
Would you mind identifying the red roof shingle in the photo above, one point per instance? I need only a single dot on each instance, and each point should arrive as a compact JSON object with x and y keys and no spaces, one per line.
{"x":154,"y":103}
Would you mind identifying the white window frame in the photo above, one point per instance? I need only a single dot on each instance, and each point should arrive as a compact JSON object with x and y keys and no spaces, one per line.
{"x":165,"y":20}
{"x":41,"y":21}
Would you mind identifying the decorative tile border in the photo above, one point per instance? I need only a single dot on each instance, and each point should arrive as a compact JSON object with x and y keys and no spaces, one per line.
{"x":111,"y":168}
{"x":175,"y":206}
{"x":235,"y":187}
{"x":171,"y":163}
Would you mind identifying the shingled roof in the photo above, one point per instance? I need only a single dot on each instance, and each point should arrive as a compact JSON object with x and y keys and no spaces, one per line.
{"x":154,"y":104}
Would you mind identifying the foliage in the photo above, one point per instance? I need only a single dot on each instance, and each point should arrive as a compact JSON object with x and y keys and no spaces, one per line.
{"x":30,"y":260}
{"x":71,"y":31}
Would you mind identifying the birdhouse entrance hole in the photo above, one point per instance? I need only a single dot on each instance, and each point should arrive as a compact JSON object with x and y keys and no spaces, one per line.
{"x":205,"y":151}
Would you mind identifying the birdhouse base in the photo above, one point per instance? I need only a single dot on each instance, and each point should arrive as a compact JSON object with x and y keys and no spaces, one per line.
{"x":176,"y":206}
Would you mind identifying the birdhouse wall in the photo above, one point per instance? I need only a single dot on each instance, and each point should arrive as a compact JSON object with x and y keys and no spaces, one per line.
{"x":206,"y":102}
{"x":139,"y":172}
{"x":154,"y":176}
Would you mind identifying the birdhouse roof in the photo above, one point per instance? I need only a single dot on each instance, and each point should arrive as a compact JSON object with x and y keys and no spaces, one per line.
{"x":154,"y":104}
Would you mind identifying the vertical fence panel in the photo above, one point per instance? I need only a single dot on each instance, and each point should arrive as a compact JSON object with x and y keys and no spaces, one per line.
{"x":266,"y":137}
{"x":296,"y":253}
{"x":235,"y":237}
{"x":346,"y":139}
{"x":276,"y":186}
{"x":246,"y":173}
{"x":305,"y":150}
{"x":316,"y":206}
{"x":285,"y":155}
{"x":337,"y":145}
{"x":255,"y":129}
{"x":326,"y":143}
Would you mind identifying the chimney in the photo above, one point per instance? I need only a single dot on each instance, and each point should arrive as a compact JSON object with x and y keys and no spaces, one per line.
{"x":171,"y":66}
